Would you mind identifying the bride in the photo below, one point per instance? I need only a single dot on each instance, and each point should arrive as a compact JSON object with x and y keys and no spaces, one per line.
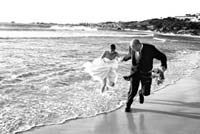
{"x":103,"y":69}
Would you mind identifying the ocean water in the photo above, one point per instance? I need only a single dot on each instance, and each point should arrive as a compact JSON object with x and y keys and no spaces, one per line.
{"x":42,"y":80}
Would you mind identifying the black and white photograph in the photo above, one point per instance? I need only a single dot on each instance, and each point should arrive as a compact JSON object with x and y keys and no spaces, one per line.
{"x":99,"y":67}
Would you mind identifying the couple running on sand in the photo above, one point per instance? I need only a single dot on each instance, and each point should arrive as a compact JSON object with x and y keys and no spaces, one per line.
{"x":141,"y":55}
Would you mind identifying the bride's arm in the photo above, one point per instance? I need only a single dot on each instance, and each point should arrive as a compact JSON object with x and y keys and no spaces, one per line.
{"x":128,"y":56}
{"x":104,"y":54}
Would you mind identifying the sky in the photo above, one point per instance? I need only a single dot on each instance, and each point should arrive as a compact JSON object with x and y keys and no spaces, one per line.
{"x":93,"y":11}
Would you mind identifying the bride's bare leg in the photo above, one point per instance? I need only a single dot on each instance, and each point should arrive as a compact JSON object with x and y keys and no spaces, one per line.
{"x":103,"y":85}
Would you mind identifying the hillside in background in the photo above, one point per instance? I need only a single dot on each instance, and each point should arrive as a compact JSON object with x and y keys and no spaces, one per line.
{"x":176,"y":25}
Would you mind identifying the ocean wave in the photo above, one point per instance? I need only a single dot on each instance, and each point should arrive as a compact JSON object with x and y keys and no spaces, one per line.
{"x":73,"y":32}
{"x":160,"y":39}
{"x":176,"y":37}
{"x":181,"y":35}
{"x":73,"y":28}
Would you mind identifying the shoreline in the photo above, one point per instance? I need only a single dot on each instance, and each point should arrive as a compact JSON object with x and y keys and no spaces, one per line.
{"x":163,"y":112}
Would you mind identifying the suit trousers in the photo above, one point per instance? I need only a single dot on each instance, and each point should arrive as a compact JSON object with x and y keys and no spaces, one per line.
{"x":139,"y":77}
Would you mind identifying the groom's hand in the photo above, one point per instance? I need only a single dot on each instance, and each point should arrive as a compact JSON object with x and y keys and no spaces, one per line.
{"x":127,"y":78}
{"x":163,"y":68}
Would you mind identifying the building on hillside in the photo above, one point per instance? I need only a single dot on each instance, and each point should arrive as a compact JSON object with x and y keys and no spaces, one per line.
{"x":191,"y":17}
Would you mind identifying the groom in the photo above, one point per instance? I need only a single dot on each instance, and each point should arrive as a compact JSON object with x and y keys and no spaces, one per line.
{"x":142,"y":56}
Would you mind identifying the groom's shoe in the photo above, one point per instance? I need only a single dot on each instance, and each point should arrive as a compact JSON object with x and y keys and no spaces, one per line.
{"x":141,"y":97}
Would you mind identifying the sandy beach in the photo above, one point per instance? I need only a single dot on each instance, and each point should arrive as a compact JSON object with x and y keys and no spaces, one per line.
{"x":173,"y":110}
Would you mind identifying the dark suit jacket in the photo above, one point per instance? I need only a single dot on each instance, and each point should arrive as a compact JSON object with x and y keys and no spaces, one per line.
{"x":148,"y":53}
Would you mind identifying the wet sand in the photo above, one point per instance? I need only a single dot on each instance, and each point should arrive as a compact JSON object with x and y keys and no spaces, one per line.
{"x":173,"y":110}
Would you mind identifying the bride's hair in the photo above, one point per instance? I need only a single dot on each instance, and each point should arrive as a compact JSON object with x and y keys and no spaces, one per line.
{"x":112,"y":47}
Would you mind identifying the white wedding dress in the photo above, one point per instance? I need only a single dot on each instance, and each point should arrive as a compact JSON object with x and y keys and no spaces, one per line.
{"x":100,"y":69}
